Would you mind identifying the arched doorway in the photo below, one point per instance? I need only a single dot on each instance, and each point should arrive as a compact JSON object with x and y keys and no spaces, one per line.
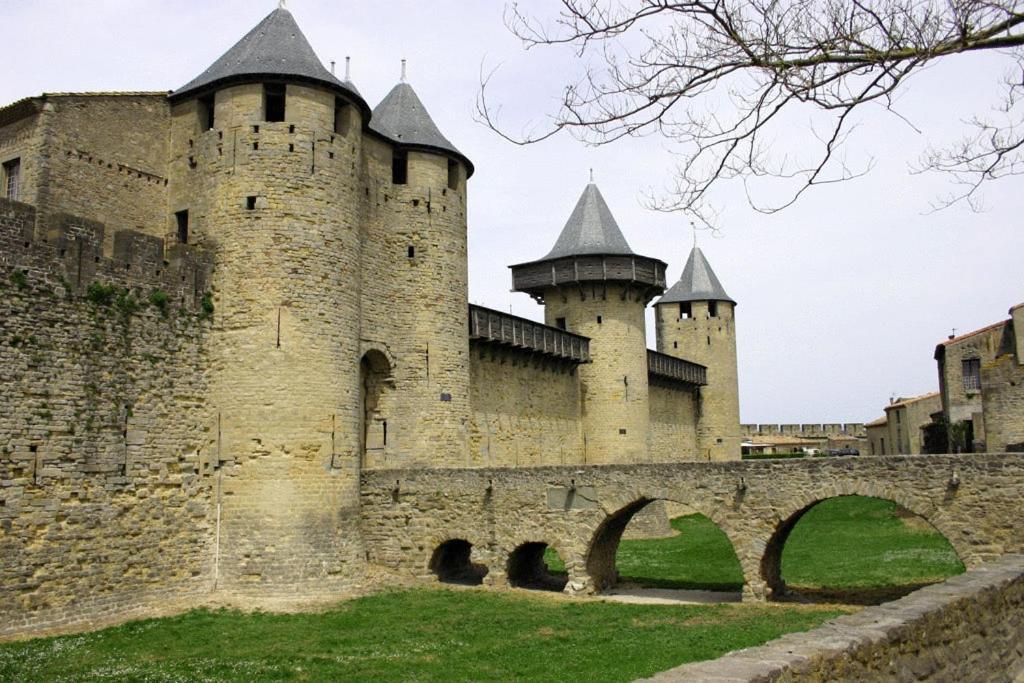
{"x":376,"y":388}
{"x":855,"y":549}
{"x":696,"y":555}
{"x":530,"y":566}
{"x":451,"y":562}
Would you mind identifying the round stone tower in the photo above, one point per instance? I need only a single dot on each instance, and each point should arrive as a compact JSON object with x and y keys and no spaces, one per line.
{"x":416,"y":286}
{"x":591,"y":283}
{"x":266,"y":158}
{"x":696,"y":320}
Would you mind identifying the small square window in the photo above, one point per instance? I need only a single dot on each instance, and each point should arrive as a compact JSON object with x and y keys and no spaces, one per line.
{"x":560,"y":323}
{"x":250,"y":203}
{"x":685,"y":310}
{"x":411,"y":251}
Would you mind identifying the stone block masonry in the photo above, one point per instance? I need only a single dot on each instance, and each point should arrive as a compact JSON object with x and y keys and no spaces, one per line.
{"x":968,"y":629}
{"x":105,"y":474}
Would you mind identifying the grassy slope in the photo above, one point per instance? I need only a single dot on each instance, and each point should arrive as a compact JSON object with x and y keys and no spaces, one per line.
{"x":423,"y":635}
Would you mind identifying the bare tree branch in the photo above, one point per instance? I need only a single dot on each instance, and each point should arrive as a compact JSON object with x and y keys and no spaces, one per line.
{"x":719,"y":78}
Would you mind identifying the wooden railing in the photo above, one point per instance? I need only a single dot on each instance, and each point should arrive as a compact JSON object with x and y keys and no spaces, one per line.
{"x":670,"y":367}
{"x":494,"y":326}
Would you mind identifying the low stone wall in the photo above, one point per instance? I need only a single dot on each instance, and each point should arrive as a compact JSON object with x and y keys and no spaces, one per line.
{"x":970,"y":628}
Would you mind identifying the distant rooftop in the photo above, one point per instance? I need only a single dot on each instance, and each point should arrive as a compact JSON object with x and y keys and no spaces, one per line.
{"x":899,"y":403}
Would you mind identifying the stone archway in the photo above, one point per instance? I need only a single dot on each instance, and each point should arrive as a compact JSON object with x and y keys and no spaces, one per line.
{"x":771,"y":560}
{"x":600,"y":561}
{"x":527,"y":569}
{"x":452,"y":562}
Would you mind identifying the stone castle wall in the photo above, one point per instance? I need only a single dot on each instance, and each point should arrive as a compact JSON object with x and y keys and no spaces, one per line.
{"x":967,"y":629}
{"x":105,"y":481}
{"x":673,"y":422}
{"x":709,"y":341}
{"x":526,"y":409}
{"x":1003,"y":397}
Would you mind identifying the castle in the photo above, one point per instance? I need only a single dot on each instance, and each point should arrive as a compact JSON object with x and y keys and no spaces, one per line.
{"x":222,"y":305}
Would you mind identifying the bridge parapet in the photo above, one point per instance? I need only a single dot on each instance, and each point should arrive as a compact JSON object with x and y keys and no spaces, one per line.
{"x":971,"y":499}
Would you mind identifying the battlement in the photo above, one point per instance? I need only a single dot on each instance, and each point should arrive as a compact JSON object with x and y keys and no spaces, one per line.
{"x":835,"y":429}
{"x":67,"y":250}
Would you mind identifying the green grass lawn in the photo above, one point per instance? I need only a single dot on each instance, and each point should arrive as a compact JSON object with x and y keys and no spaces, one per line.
{"x":856,"y":542}
{"x":421,"y":635}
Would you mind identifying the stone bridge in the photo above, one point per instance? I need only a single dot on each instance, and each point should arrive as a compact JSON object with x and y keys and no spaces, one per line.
{"x":423,"y":522}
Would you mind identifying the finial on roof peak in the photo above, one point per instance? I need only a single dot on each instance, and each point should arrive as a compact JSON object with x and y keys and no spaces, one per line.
{"x":403,"y":70}
{"x":591,"y":175}
{"x":348,"y":68}
{"x":694,"y":229}
{"x":282,"y":4}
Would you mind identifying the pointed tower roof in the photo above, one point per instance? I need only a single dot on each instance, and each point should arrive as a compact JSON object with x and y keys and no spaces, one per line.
{"x":591,"y":229}
{"x":275,"y":48}
{"x":697,"y":283}
{"x":402,"y":118}
{"x":590,"y":248}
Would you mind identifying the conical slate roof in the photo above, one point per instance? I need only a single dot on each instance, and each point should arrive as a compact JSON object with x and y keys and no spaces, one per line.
{"x":275,"y":48}
{"x":402,"y":118}
{"x":591,"y":229}
{"x":698,"y":283}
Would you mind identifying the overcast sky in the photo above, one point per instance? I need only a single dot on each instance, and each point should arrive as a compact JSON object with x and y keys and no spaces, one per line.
{"x":842,"y":298}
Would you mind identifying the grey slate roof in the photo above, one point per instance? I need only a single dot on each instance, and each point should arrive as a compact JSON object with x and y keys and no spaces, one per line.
{"x":698,"y":283}
{"x":591,"y":229}
{"x":402,"y":118}
{"x":276,"y":48}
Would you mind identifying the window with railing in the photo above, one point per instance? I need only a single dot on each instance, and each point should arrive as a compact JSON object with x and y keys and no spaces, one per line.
{"x":972,"y":374}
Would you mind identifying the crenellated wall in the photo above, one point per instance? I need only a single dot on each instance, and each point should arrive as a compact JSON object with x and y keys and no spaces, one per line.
{"x":105,"y":479}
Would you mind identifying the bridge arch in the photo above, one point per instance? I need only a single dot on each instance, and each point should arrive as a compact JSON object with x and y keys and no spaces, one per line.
{"x":451,"y":561}
{"x":526,"y":567}
{"x":604,"y":543}
{"x":790,"y":514}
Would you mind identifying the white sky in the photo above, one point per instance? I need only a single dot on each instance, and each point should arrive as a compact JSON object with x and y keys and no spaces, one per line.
{"x":841,"y":298}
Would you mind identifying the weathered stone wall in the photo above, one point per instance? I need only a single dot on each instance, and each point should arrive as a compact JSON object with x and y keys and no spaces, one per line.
{"x":414,"y":299}
{"x":959,"y":403}
{"x":104,"y":157}
{"x":105,"y":481}
{"x":1002,"y":380}
{"x":614,"y":385}
{"x":526,"y":409}
{"x":709,"y":341}
{"x":969,"y":628}
{"x":22,"y":139}
{"x":582,"y":512}
{"x":906,"y":421}
{"x":673,"y":422}
{"x":878,"y":439}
